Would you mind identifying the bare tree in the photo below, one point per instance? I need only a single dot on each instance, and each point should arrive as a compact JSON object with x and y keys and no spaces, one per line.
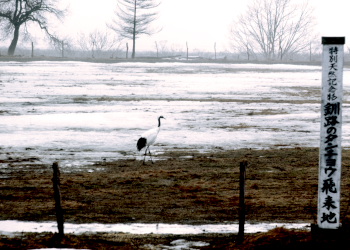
{"x":17,"y":13}
{"x":162,"y":47}
{"x":315,"y":47}
{"x":176,"y":49}
{"x":242,"y":42}
{"x":97,"y":42}
{"x":134,"y":18}
{"x":63,"y":45}
{"x":274,"y":28}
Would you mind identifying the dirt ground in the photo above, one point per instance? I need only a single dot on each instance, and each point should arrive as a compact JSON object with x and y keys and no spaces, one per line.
{"x":281,"y":186}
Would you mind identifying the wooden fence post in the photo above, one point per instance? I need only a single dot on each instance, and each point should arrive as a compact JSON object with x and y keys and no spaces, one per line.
{"x":242,"y":210}
{"x":187,"y":50}
{"x":127,"y":50}
{"x":57,"y":195}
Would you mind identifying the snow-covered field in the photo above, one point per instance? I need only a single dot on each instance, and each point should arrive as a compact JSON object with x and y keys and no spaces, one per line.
{"x":79,"y":112}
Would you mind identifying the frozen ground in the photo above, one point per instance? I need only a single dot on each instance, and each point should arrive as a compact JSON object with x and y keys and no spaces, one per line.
{"x":78,"y":112}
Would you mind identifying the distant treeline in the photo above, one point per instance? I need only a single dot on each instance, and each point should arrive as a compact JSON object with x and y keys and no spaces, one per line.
{"x":120,"y":54}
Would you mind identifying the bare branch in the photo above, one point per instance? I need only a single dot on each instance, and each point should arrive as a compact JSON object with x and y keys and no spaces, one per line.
{"x":16,"y":13}
{"x":274,"y":28}
{"x":134,"y":18}
{"x":97,"y":42}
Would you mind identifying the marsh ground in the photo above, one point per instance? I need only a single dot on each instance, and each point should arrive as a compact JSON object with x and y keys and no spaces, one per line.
{"x":80,"y":113}
{"x":281,"y":186}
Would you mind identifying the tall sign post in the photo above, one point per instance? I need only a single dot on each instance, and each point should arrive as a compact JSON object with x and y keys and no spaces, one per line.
{"x":331,"y":132}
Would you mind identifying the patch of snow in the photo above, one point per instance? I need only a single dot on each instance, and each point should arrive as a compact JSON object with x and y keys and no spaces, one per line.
{"x":179,"y":244}
{"x":11,"y":227}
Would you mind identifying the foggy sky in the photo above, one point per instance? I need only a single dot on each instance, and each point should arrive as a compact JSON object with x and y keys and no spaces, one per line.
{"x":201,"y":23}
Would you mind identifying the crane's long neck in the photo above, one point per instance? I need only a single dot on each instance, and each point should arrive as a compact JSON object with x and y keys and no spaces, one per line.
{"x":158,"y":122}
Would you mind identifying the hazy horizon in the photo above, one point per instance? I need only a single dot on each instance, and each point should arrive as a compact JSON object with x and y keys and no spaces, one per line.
{"x":199,"y":23}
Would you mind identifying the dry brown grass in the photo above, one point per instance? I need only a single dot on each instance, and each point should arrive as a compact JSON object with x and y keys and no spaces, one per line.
{"x":281,"y":186}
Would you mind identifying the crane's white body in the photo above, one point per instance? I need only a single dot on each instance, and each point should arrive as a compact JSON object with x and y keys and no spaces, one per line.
{"x":151,"y":136}
{"x":148,"y":138}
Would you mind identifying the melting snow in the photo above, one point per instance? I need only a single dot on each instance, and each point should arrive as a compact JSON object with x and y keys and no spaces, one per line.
{"x":10,"y":227}
{"x":54,"y":113}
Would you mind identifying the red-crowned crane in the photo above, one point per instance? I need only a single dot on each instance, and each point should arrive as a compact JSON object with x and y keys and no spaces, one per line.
{"x":148,"y":138}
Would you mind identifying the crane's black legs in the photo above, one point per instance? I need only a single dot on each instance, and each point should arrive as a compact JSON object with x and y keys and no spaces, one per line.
{"x":150,"y":155}
{"x":149,"y":151}
{"x":144,"y":158}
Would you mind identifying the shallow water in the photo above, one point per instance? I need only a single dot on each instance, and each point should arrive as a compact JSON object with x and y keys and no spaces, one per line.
{"x":79,"y":113}
{"x":12,"y":227}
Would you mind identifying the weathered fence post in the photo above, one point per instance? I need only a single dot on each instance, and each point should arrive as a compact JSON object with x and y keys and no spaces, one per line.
{"x":215,"y":50}
{"x":32,"y":49}
{"x":127,"y":50}
{"x":57,"y":195}
{"x":242,"y":211}
{"x":187,"y":51}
